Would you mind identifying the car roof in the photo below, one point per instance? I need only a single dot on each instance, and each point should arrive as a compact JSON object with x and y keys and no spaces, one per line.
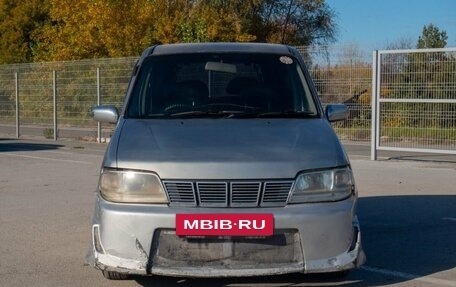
{"x":190,"y":48}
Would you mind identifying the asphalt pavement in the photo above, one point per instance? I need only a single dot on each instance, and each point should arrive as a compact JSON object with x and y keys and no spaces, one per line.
{"x":407,"y":211}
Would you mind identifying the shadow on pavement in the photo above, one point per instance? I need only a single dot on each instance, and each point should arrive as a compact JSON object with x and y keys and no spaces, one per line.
{"x":408,"y":234}
{"x":279,"y":280}
{"x":446,"y":158}
{"x":15,"y":145}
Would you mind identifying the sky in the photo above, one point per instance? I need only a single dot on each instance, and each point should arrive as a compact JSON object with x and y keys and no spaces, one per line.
{"x":377,"y":23}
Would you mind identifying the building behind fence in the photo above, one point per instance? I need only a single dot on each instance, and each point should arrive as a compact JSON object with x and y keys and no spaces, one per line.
{"x":341,"y":74}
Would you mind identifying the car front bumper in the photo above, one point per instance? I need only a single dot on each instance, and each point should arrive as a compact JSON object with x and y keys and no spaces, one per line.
{"x":308,"y":238}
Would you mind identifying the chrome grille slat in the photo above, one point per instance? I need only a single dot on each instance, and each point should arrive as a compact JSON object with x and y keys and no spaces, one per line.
{"x":228,"y":193}
{"x":212,"y":193}
{"x":180,"y":193}
{"x":276,"y":193}
{"x":244,"y":194}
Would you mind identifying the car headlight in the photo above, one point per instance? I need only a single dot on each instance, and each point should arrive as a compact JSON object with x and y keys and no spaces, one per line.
{"x":131,"y":186}
{"x":325,"y":185}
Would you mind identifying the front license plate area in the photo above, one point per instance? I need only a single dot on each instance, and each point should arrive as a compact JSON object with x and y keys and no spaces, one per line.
{"x":276,"y":240}
{"x":199,"y":225}
{"x":172,"y":251}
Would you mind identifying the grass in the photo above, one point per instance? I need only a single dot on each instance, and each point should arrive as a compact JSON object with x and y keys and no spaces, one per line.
{"x":48,"y":133}
{"x":433,"y":134}
{"x":356,"y":134}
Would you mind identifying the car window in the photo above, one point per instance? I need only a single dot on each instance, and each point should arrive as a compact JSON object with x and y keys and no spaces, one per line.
{"x":204,"y":85}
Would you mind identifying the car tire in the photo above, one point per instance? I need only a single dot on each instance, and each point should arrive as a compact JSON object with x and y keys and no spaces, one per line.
{"x":112,"y":275}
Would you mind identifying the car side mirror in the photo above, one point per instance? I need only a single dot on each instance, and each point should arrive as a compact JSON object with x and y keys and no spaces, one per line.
{"x":105,"y":114}
{"x":336,"y":112}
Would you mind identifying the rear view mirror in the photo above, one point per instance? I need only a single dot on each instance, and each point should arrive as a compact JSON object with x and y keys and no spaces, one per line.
{"x":105,"y":114}
{"x":220,"y":67}
{"x":336,"y":112}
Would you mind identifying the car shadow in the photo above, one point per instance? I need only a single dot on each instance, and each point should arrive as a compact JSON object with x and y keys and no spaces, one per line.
{"x":276,"y":280}
{"x":411,"y":235}
{"x":15,"y":146}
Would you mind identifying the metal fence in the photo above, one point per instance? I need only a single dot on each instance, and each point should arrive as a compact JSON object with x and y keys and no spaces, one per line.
{"x":42,"y":98}
{"x":415,"y":101}
{"x":54,"y":99}
{"x":414,"y":96}
{"x":343,"y":74}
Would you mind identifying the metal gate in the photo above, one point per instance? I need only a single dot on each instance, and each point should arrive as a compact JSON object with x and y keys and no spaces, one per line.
{"x":414,"y":101}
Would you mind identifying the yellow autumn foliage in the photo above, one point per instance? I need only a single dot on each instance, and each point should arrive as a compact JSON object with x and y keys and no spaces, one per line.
{"x":54,"y":30}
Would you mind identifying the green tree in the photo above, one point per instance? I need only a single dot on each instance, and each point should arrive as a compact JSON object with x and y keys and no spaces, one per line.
{"x":421,"y":75}
{"x":432,"y":37}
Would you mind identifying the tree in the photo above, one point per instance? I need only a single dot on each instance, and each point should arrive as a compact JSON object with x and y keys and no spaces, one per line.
{"x":421,"y":75}
{"x":400,"y":44}
{"x":432,"y":37}
{"x":95,"y":29}
{"x":20,"y":21}
{"x":54,"y":30}
{"x":110,"y":28}
{"x":294,"y":22}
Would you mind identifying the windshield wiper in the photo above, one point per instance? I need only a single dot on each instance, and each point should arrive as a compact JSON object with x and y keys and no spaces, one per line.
{"x":287,"y":114}
{"x":234,"y":114}
{"x":279,"y":114}
{"x":197,"y":113}
{"x":150,"y":116}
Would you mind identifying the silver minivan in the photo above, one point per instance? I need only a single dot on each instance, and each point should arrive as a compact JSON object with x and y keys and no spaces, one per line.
{"x":224,"y":163}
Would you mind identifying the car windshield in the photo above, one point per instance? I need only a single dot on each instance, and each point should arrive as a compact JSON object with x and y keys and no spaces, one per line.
{"x":221,"y":85}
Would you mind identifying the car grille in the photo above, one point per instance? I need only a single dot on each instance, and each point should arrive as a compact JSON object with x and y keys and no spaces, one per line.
{"x":224,"y":193}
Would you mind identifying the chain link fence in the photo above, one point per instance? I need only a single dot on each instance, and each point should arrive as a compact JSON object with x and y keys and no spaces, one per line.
{"x":7,"y":98}
{"x":416,"y":100}
{"x":342,"y":74}
{"x":77,"y":85}
{"x":415,"y":93}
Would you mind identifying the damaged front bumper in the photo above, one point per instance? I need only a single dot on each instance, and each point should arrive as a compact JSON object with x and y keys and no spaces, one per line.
{"x":140,"y":239}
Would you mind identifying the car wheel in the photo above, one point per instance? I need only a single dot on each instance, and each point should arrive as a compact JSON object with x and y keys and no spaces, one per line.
{"x":112,"y":275}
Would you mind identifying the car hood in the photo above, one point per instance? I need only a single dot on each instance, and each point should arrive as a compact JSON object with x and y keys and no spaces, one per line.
{"x":226,"y":148}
